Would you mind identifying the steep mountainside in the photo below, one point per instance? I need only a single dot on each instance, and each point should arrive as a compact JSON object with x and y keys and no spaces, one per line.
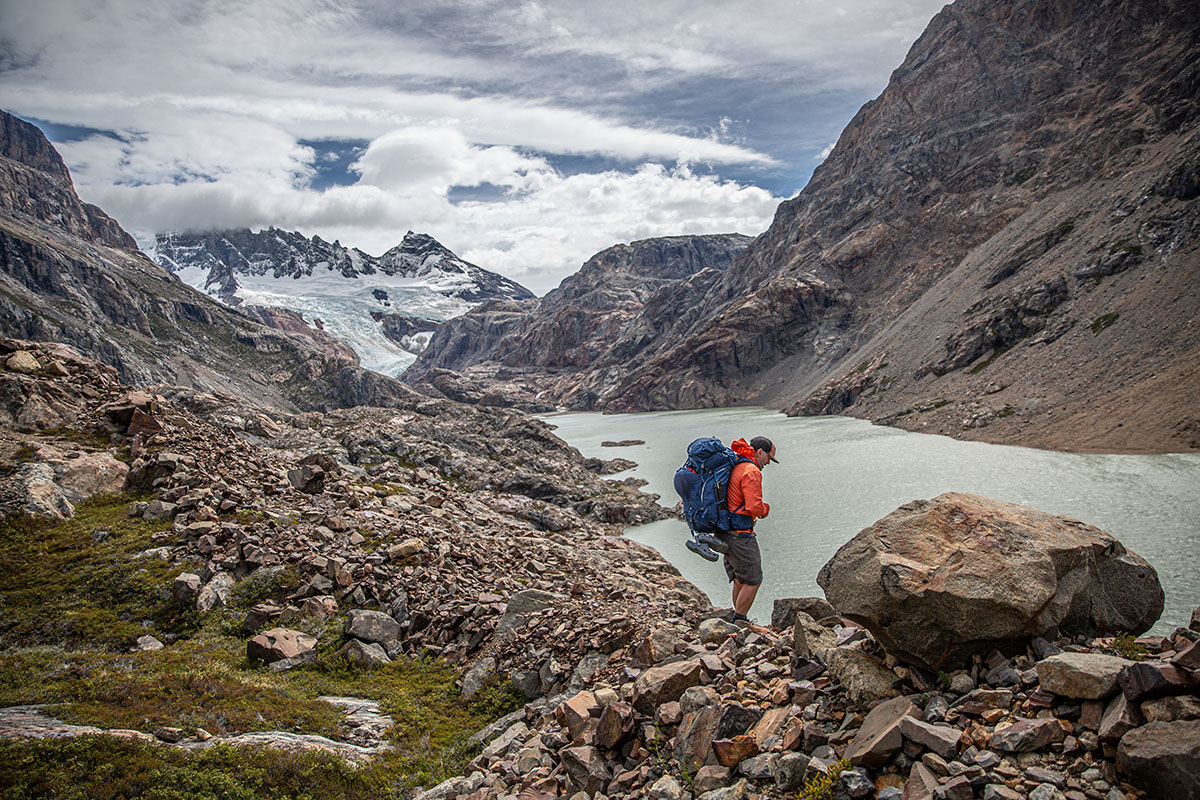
{"x":600,"y":324}
{"x":359,"y":299}
{"x":1002,"y":246}
{"x":69,"y":273}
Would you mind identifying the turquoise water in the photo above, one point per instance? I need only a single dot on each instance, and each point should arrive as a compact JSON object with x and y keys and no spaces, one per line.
{"x":838,"y":475}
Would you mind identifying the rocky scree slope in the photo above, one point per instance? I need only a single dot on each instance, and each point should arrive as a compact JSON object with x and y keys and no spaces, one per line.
{"x":69,"y":273}
{"x":576,"y":343}
{"x":1002,"y":246}
{"x":428,"y":510}
{"x":437,"y":537}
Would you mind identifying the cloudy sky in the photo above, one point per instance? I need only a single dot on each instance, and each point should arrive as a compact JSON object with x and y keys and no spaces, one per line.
{"x":525,"y":136}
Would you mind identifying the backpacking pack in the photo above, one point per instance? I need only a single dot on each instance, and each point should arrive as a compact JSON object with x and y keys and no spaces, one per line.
{"x":702,"y":483}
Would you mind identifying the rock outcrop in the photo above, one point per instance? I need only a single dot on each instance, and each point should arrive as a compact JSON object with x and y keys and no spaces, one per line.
{"x":1003,"y":245}
{"x":937,"y":581}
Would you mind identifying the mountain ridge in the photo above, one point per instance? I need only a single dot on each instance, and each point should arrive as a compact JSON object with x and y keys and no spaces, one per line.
{"x":364,"y":301}
{"x":1013,"y":216}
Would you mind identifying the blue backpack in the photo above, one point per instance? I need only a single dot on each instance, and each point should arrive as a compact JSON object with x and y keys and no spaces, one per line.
{"x":702,"y":483}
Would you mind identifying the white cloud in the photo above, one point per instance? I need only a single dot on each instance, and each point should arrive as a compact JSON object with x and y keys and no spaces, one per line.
{"x":209,"y":101}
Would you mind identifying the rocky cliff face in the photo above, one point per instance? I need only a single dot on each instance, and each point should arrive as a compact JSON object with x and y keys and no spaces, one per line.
{"x":1002,"y":246}
{"x":69,"y":273}
{"x":574,"y":345}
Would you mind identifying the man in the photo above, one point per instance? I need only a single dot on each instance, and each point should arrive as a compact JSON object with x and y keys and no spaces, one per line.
{"x":743,"y":562}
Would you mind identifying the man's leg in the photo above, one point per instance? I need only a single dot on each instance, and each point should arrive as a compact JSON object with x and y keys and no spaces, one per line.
{"x":743,"y":597}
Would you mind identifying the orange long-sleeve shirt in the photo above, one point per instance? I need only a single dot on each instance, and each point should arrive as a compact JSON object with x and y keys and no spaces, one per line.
{"x":745,"y":488}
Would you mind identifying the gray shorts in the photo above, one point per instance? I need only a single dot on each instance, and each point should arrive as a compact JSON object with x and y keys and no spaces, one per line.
{"x":743,"y":561}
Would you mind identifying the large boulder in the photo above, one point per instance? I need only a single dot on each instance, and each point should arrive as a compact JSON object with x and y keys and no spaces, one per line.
{"x":1163,"y":758}
{"x":937,"y":581}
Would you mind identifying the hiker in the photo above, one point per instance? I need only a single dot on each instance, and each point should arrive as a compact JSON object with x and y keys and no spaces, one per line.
{"x":743,"y":561}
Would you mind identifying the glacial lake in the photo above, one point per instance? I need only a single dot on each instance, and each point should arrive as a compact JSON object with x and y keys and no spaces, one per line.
{"x":838,"y":475}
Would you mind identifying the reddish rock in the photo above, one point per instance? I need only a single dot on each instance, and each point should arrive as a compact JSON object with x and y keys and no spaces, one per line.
{"x":880,"y":738}
{"x":1163,"y":758}
{"x":659,"y":685}
{"x":280,"y":643}
{"x":1146,"y":680}
{"x":615,"y":725}
{"x":693,"y":740}
{"x":941,"y":739}
{"x":730,"y":752}
{"x":1024,"y":735}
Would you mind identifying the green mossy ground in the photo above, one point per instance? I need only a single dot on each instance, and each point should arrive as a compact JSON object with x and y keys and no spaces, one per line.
{"x":71,"y":604}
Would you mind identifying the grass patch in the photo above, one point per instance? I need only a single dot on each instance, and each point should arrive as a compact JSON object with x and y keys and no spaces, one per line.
{"x":980,"y":367}
{"x":71,"y":603}
{"x":1103,"y":321}
{"x":1007,"y":411}
{"x":95,"y":440}
{"x":63,"y":585}
{"x":104,"y":768}
{"x":1125,"y":645}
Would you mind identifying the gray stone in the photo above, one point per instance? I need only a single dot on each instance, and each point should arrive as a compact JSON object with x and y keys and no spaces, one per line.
{"x":865,"y":678}
{"x":697,"y":697}
{"x":159,"y":510}
{"x":148,"y":643}
{"x":665,"y":788}
{"x":759,"y":768}
{"x":586,"y":768}
{"x":1084,"y":676}
{"x":810,"y":640}
{"x":503,"y":743}
{"x":1043,"y":775}
{"x":712,"y":776}
{"x":956,"y":788}
{"x":1119,"y":718}
{"x":185,"y":587}
{"x":215,"y":593}
{"x":451,"y":787}
{"x":790,"y":770}
{"x":936,"y":708}
{"x":998,"y":791}
{"x":693,"y":740}
{"x":716,"y":630}
{"x":739,"y":791}
{"x":660,"y":684}
{"x":1171,"y":709}
{"x":934,"y":589}
{"x":855,"y":783}
{"x":477,"y":675}
{"x":372,"y":626}
{"x":783,"y":610}
{"x":1047,"y":791}
{"x":364,"y":655}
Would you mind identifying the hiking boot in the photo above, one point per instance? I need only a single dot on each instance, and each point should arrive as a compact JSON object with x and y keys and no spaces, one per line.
{"x":702,"y":550}
{"x":714,"y":543}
